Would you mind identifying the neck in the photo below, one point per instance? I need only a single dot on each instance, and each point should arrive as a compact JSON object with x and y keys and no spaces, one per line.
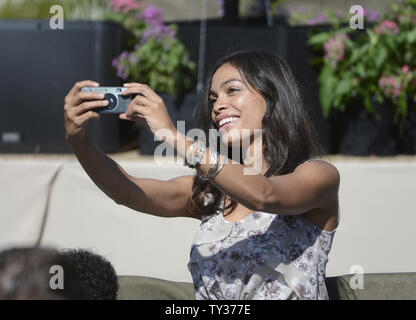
{"x":253,"y":155}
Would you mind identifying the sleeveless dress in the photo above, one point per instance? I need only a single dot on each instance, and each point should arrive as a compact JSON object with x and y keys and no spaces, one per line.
{"x":263,"y":256}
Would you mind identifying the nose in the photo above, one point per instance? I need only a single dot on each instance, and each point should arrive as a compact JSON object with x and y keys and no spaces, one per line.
{"x":218,"y":106}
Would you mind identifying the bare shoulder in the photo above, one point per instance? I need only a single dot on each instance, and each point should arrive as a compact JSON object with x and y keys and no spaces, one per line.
{"x":326,"y":216}
{"x":321,"y":169}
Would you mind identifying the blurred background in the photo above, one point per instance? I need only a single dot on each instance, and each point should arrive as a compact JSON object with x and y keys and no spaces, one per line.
{"x":359,"y":87}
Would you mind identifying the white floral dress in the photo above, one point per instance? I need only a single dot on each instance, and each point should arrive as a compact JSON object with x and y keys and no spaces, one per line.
{"x":264,"y":256}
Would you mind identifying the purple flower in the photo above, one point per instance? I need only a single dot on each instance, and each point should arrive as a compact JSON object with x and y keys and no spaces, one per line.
{"x":158,"y":32}
{"x":121,"y":73}
{"x":133,"y":59}
{"x":319,"y":19}
{"x":115,"y":63}
{"x":339,"y":15}
{"x":124,"y":55}
{"x":152,"y":15}
{"x":372,"y":16}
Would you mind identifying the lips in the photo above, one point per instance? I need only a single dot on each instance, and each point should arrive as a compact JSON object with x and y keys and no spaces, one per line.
{"x":228,"y":124}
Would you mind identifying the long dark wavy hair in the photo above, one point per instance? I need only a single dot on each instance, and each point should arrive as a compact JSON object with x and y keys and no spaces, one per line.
{"x":288,"y":135}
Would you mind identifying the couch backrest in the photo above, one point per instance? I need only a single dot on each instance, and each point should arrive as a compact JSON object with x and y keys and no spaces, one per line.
{"x":377,"y":286}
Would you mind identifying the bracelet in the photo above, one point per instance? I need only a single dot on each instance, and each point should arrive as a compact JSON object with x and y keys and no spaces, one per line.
{"x":214,"y":166}
{"x":189,"y":152}
{"x":196,"y":158}
{"x":221,"y":166}
{"x":199,"y":154}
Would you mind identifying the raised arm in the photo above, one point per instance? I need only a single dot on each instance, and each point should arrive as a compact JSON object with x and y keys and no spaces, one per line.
{"x":156,"y":197}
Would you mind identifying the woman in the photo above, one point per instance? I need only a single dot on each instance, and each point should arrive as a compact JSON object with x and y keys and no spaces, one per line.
{"x":262,"y":236}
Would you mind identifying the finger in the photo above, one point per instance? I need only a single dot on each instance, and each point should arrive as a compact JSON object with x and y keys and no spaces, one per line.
{"x":87,"y":106}
{"x":141,"y":101}
{"x":79,"y":85}
{"x":143,"y":88}
{"x":83,"y":118}
{"x":135,"y":117}
{"x":80,"y":97}
{"x":134,"y":90}
{"x":135,"y":109}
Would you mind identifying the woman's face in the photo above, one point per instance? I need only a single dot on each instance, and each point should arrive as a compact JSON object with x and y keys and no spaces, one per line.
{"x":235,"y":106}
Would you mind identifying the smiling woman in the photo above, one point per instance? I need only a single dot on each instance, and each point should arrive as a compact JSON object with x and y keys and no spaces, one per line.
{"x":251,"y":90}
{"x":263,"y":235}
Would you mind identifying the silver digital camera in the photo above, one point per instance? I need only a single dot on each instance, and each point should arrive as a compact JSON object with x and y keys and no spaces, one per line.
{"x":117,"y":103}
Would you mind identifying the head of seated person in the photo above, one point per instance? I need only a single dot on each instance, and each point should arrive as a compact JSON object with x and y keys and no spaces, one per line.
{"x":97,"y":274}
{"x":28,"y":273}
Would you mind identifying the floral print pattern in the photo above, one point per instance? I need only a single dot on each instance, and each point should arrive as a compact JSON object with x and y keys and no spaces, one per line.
{"x":264,"y":256}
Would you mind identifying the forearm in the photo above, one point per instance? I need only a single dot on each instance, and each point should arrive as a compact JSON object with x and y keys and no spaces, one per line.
{"x":251,"y":190}
{"x":105,"y":172}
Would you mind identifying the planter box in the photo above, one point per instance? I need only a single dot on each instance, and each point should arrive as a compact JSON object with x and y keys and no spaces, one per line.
{"x":407,"y":143}
{"x":359,"y":133}
{"x":356,"y":132}
{"x":38,"y":67}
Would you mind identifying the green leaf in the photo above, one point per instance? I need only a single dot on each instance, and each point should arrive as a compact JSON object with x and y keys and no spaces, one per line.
{"x":344,"y":85}
{"x":368,"y":105}
{"x":411,"y":36}
{"x":402,"y":104}
{"x":319,"y":39}
{"x":328,"y":84}
{"x":380,"y":56}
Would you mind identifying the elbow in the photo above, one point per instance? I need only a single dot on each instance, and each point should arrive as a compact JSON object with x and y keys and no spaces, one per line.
{"x":266,"y":200}
{"x":118,"y":200}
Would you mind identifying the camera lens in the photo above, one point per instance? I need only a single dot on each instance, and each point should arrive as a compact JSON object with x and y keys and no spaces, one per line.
{"x":112,"y":101}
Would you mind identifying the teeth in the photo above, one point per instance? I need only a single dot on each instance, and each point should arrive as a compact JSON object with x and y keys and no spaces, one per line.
{"x":226,"y":120}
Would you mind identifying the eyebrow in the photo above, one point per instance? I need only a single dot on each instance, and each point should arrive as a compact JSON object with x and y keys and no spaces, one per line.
{"x":225,"y":82}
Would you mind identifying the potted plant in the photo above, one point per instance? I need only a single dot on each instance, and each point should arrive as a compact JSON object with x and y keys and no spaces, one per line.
{"x":367,"y":79}
{"x":155,"y":56}
{"x":50,"y":62}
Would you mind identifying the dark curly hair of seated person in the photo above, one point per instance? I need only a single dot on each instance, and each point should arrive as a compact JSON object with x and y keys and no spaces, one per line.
{"x":97,"y":274}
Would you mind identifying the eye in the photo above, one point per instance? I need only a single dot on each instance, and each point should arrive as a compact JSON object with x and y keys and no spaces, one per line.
{"x":212,"y":101}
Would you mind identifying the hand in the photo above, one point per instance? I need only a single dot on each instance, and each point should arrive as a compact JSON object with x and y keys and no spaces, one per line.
{"x":77,"y":112}
{"x":147,"y":108}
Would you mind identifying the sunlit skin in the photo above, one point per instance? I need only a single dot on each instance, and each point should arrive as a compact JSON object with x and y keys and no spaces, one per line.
{"x":231,"y":95}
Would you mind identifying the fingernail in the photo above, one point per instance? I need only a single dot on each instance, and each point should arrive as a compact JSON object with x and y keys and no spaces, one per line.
{"x":95,"y":84}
